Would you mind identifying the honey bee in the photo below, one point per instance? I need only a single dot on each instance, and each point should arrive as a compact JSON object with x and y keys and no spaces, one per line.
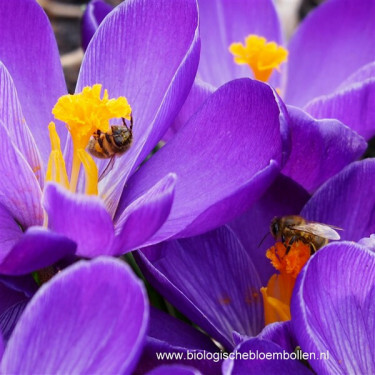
{"x":115,"y":142}
{"x":290,"y":229}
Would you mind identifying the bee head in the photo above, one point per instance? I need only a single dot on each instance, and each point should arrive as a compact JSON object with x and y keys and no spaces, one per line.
{"x":275,"y":226}
{"x":122,"y":136}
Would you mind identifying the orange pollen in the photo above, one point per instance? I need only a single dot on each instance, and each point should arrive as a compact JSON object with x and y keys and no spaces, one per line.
{"x":278,"y":292}
{"x":291,"y":263}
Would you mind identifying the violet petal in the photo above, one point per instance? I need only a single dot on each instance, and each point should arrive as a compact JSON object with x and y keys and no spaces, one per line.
{"x":331,"y":147}
{"x":353,"y":105}
{"x":332,"y":309}
{"x":199,"y":92}
{"x":143,"y":217}
{"x":170,"y":335}
{"x":362,"y":74}
{"x":94,"y":14}
{"x":20,"y":191}
{"x":36,"y":249}
{"x":81,"y":218}
{"x":90,"y":318}
{"x":347,"y":201}
{"x":12,"y":117}
{"x":211,"y":279}
{"x":262,"y":365}
{"x":321,"y":53}
{"x":174,"y":370}
{"x":34,"y":65}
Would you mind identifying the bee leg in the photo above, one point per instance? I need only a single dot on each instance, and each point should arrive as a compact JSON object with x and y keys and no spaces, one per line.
{"x":290,"y":243}
{"x":312,"y":249}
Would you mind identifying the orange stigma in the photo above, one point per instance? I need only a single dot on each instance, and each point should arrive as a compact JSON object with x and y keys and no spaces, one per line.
{"x":278,"y":293}
{"x":261,"y":56}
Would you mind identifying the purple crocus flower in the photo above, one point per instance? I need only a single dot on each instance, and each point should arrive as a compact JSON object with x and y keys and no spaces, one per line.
{"x":322,"y":73}
{"x":331,"y":318}
{"x":214,"y":278}
{"x":322,"y":76}
{"x":141,"y":52}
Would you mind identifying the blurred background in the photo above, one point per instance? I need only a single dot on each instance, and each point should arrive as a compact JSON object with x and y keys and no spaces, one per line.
{"x":65,"y":16}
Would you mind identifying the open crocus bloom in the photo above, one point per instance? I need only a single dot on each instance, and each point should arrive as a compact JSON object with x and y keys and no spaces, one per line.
{"x":215,"y":278}
{"x":130,"y":205}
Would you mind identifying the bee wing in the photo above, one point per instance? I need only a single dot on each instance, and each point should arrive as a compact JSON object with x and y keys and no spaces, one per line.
{"x":321,"y":230}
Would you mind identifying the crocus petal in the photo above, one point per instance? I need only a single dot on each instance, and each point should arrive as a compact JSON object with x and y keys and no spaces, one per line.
{"x":12,"y":304}
{"x":281,"y":333}
{"x":362,"y":74}
{"x":10,"y":231}
{"x":94,"y":14}
{"x":330,"y":144}
{"x":211,"y":279}
{"x":199,"y":92}
{"x":174,"y":370}
{"x":146,"y":215}
{"x":262,"y":357}
{"x":332,"y":309}
{"x":224,"y":147}
{"x":347,"y":200}
{"x":284,"y":197}
{"x":153,"y":63}
{"x":175,"y":332}
{"x":353,"y":105}
{"x":24,"y":284}
{"x":75,"y":323}
{"x":332,"y":43}
{"x":20,"y":192}
{"x":10,"y":317}
{"x":37,"y":248}
{"x":12,"y":118}
{"x":225,"y":22}
{"x":170,"y":335}
{"x":34,"y":65}
{"x":81,"y":218}
{"x":368,"y":242}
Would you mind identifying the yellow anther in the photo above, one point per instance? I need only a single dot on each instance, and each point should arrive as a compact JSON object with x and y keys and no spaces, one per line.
{"x":85,"y":114}
{"x":262,"y":57}
{"x":91,"y":172}
{"x":56,"y":170}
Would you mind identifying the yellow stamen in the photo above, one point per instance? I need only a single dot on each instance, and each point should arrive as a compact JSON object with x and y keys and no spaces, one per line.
{"x":84,"y":114}
{"x":91,"y":172}
{"x":278,"y":293}
{"x":56,"y":170}
{"x":262,"y":57}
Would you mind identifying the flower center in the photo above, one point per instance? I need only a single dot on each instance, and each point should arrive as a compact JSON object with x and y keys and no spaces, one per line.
{"x":262,"y":57}
{"x":278,"y":293}
{"x":85,"y":114}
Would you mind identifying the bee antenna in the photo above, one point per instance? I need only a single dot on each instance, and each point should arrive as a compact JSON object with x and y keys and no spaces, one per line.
{"x":264,"y":237}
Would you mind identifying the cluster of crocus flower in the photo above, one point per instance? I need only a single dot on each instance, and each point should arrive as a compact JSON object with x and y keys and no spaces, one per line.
{"x":225,"y":151}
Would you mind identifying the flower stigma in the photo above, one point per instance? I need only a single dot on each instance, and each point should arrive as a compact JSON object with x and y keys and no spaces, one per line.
{"x":84,"y":114}
{"x":261,"y":56}
{"x":278,"y":292}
